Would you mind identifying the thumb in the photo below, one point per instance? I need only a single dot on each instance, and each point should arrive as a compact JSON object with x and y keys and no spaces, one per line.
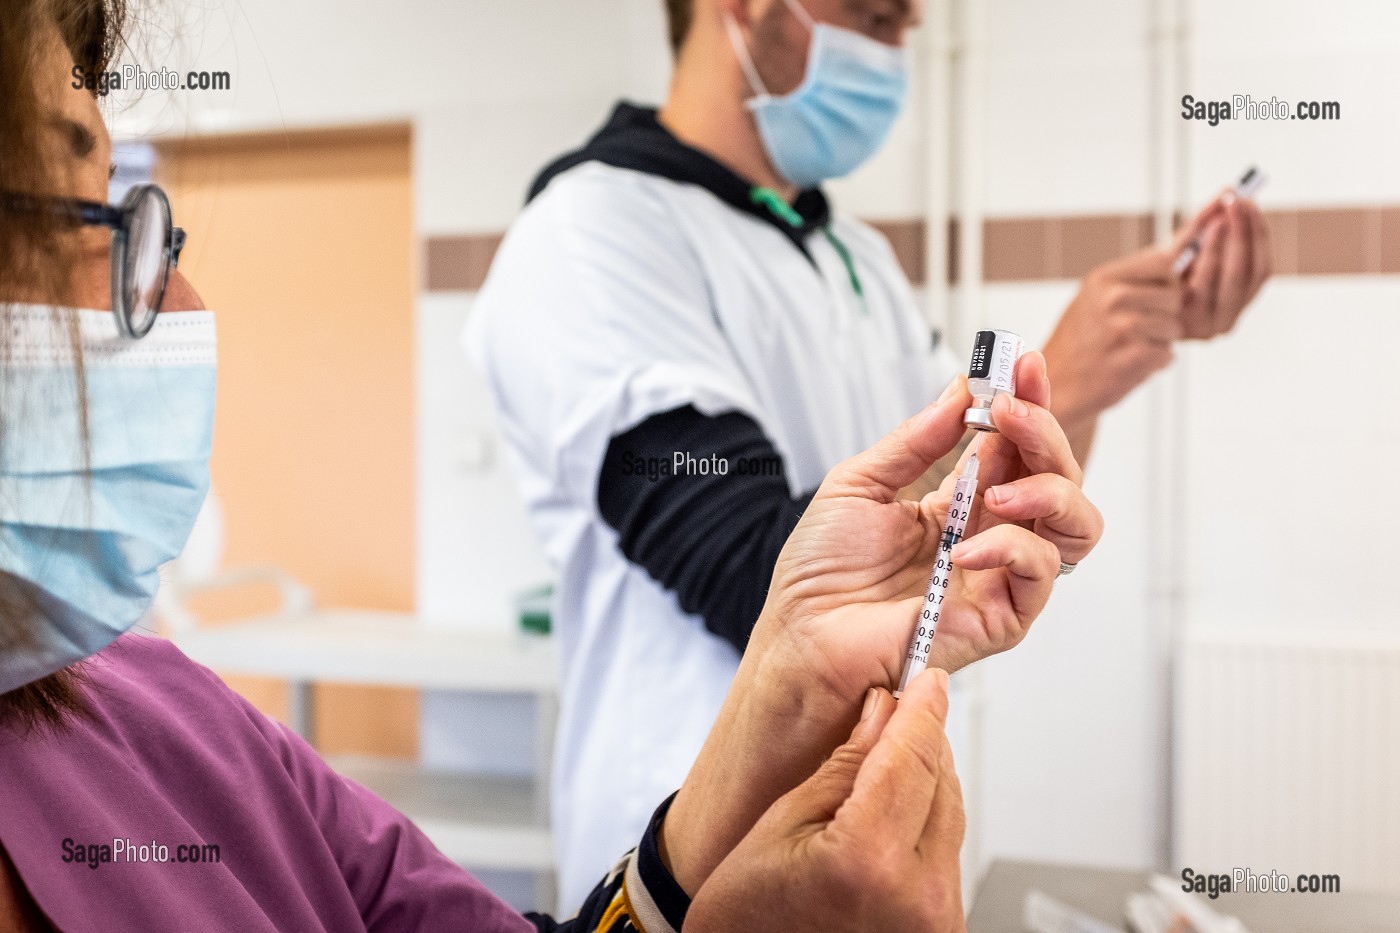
{"x":904,"y":454}
{"x":819,"y":797}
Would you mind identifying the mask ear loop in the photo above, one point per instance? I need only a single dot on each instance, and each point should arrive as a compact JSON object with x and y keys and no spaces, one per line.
{"x":741,"y":50}
{"x":801,"y":13}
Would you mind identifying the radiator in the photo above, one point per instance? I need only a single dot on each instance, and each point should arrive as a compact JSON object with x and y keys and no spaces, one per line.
{"x":1286,"y":755}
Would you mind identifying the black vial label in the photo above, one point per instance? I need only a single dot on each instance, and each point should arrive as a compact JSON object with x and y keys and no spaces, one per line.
{"x":982,"y":349}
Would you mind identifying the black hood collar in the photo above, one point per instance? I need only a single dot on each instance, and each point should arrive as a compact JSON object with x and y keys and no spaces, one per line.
{"x":633,"y":138}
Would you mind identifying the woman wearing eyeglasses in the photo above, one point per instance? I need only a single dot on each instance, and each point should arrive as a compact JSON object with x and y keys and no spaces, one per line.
{"x":138,"y":793}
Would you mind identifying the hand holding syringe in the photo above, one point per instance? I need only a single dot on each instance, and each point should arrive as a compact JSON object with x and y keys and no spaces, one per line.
{"x":992,"y":373}
{"x":1247,"y":187}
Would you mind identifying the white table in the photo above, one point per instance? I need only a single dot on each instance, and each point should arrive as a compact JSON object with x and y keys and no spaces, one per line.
{"x":476,"y":820}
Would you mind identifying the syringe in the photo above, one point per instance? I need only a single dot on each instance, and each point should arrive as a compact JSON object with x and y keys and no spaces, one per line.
{"x":916,"y":659}
{"x":992,"y":373}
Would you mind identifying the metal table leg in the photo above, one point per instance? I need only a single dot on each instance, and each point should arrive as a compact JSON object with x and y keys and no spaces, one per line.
{"x":301,"y":709}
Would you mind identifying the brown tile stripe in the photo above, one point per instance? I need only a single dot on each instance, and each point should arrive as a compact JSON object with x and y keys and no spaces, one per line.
{"x":460,"y":263}
{"x":1316,"y":241}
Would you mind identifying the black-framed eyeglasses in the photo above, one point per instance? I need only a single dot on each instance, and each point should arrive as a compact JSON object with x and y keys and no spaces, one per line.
{"x":146,"y":245}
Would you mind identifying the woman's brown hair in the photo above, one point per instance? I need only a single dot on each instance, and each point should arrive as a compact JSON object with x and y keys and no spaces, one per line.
{"x":37,"y":257}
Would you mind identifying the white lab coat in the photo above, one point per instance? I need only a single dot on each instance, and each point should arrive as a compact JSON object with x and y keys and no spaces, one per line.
{"x":618,"y":295}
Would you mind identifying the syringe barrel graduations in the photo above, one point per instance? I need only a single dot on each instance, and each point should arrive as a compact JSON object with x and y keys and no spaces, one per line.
{"x":992,"y":373}
{"x":916,"y":658}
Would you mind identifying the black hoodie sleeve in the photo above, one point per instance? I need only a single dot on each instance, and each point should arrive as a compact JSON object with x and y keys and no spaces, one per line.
{"x":701,"y":502}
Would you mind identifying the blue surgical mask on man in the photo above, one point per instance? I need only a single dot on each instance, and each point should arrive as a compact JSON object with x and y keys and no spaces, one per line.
{"x":91,"y":507}
{"x":841,"y":113}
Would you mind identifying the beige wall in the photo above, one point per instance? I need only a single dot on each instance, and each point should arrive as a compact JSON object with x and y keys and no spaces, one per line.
{"x":303,"y":245}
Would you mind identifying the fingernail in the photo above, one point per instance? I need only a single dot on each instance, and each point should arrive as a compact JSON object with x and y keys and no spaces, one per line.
{"x":1019,"y":408}
{"x":963,"y":553}
{"x":872,"y":696}
{"x":1002,"y":494}
{"x":953,"y":389}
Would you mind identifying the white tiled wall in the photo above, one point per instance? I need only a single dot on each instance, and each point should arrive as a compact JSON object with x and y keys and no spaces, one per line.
{"x":318,"y":62}
{"x":1293,"y":423}
{"x":1349,"y":161}
{"x":1066,"y":107}
{"x":475,"y":548}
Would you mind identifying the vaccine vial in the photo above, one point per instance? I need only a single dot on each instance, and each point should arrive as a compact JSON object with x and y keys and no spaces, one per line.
{"x":993,"y":371}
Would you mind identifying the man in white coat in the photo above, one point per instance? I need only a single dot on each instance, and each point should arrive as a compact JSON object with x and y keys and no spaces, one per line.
{"x":682,"y":336}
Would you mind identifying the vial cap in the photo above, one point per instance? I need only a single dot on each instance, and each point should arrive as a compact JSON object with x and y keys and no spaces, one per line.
{"x":979,"y":419}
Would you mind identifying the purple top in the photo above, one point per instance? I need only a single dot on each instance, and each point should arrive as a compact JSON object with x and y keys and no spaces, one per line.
{"x":172,"y":758}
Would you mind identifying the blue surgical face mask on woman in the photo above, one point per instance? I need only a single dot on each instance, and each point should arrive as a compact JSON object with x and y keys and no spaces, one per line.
{"x":840,"y":114}
{"x":90,"y":512}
